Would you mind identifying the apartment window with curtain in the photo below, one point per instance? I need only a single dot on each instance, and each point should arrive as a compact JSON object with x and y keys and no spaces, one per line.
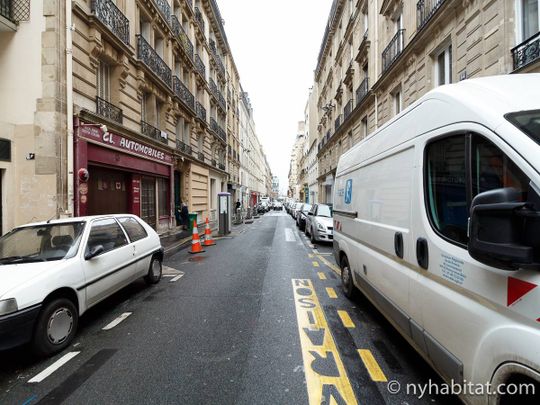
{"x":529,"y":17}
{"x":104,"y":81}
{"x":443,"y":66}
{"x":163,"y":197}
{"x":396,"y":96}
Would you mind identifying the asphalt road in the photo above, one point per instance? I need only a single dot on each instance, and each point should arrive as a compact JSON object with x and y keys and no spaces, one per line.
{"x":257,"y":319}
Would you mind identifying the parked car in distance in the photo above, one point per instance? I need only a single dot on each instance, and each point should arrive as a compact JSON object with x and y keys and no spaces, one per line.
{"x":301,"y":216}
{"x":53,"y":272}
{"x":319,"y":224}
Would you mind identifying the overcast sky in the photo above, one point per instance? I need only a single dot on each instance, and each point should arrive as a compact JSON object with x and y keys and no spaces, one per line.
{"x":275,"y":44}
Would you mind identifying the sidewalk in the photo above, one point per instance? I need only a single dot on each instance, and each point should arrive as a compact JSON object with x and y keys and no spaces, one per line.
{"x":172,"y":243}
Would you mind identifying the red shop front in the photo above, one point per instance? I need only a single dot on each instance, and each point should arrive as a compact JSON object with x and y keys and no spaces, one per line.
{"x":116,"y":174}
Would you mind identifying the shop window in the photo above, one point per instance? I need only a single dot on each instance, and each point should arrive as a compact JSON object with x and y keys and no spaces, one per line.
{"x":163,"y":197}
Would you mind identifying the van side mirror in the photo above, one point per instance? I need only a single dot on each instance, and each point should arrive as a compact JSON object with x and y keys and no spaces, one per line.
{"x":94,"y":251}
{"x":502,"y":229}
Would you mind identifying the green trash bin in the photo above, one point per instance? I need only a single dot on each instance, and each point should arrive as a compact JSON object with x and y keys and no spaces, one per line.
{"x":192,"y":217}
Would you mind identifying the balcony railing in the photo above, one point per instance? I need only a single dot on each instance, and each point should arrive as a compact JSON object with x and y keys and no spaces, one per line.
{"x":182,"y":36}
{"x":199,"y":65}
{"x":217,"y":58}
{"x":150,"y":58}
{"x":213,"y":88}
{"x":109,"y":15}
{"x":152,"y":132}
{"x":222,"y":166}
{"x":199,"y":18}
{"x":393,"y":50}
{"x":362,"y":90}
{"x":183,"y":93}
{"x":200,"y":155}
{"x":348,"y":109}
{"x":108,"y":110}
{"x":527,"y":52}
{"x":200,"y":111}
{"x":222,"y":134}
{"x":214,"y":125}
{"x":425,"y":9}
{"x":221,"y":100}
{"x":213,"y":162}
{"x":165,"y":9}
{"x":182,"y":147}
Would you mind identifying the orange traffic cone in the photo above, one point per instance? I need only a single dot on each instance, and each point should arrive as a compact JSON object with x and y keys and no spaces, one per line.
{"x":196,"y":246}
{"x":208,"y":235}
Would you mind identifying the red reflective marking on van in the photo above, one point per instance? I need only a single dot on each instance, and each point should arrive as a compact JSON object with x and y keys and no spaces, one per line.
{"x":517,"y":288}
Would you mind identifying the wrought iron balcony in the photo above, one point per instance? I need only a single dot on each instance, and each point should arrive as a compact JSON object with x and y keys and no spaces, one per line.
{"x":214,"y":163}
{"x":152,"y":132}
{"x":182,"y":36}
{"x":362,"y":90}
{"x":425,"y":9}
{"x":393,"y":50}
{"x":348,"y":109}
{"x":108,"y":110}
{"x":199,"y":65}
{"x":200,"y":155}
{"x":222,"y":134}
{"x":328,"y":136}
{"x":199,"y":18}
{"x":222,"y":166}
{"x":182,"y":147}
{"x":153,"y":61}
{"x":164,"y":8}
{"x":213,"y":88}
{"x":183,"y":93}
{"x":200,"y":111}
{"x":527,"y":52}
{"x":221,"y":100}
{"x":110,"y":16}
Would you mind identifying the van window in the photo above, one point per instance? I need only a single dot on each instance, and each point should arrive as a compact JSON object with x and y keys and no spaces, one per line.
{"x":446,"y":187}
{"x":451,"y":184}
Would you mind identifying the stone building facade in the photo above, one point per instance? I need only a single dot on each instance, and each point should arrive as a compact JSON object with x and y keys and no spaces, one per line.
{"x":116,"y":106}
{"x":377,"y":57}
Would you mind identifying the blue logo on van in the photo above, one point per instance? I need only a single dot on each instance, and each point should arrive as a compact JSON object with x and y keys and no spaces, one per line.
{"x":348,"y":191}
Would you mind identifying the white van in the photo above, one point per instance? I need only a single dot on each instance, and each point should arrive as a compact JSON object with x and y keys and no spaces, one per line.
{"x":437,"y":222}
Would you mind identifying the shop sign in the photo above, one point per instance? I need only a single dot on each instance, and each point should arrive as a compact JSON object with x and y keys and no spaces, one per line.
{"x":110,"y":139}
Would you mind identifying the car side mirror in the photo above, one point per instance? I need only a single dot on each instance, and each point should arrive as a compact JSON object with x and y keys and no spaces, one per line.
{"x":94,"y":251}
{"x":310,"y":213}
{"x":502,"y":229}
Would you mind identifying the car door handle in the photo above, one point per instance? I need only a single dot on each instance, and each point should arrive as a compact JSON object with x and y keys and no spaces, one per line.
{"x":398,"y":244}
{"x":422,"y":253}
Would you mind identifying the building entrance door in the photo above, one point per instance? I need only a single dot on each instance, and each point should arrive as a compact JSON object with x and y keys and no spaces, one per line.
{"x":148,"y":201}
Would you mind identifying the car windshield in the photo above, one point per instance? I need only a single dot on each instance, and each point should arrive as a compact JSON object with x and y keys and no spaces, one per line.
{"x":528,"y":122}
{"x":324,"y":211}
{"x":40,"y":243}
{"x":306,"y":208}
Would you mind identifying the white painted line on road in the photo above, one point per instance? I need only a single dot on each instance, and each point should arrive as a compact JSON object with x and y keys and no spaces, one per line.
{"x":289,"y":236}
{"x":117,"y":321}
{"x":315,"y":251}
{"x":178,"y":277}
{"x":53,"y":367}
{"x":168,"y":275}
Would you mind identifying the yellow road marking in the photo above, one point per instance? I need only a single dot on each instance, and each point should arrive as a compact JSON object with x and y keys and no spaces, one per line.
{"x":346,"y":319}
{"x":331,"y":292}
{"x":322,"y":276}
{"x":315,"y":264}
{"x":326,"y":377}
{"x":372,"y":366}
{"x":333,"y":267}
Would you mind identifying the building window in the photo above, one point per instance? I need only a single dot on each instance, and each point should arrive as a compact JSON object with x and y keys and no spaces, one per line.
{"x":163,"y":197}
{"x":104,"y":81}
{"x":530,"y":19}
{"x":396,"y":95}
{"x":443,"y":67}
{"x":200,"y":143}
{"x":364,"y":127}
{"x":186,"y":134}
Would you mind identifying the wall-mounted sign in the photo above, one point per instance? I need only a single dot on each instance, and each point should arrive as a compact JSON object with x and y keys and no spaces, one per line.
{"x":118,"y":141}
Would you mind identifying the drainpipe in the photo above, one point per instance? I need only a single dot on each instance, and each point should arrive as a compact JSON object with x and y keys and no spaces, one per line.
{"x":376,"y":65}
{"x":69,"y":109}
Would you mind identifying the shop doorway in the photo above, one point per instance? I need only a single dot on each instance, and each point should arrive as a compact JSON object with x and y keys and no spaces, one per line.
{"x":107,"y":192}
{"x":148,"y":201}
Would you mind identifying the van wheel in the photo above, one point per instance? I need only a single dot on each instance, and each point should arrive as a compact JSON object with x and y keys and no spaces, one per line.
{"x":55,"y":328}
{"x":154,"y":271}
{"x":346,"y":279}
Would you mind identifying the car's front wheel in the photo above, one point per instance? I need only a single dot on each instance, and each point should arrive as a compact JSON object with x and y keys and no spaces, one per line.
{"x":154,"y":271}
{"x":56,"y":327}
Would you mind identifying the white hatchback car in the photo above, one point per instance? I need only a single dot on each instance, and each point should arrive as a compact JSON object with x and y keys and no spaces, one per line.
{"x":52,"y":272}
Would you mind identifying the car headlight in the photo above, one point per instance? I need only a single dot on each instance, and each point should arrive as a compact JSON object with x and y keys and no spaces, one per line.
{"x":8,"y":306}
{"x":321,"y":227}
